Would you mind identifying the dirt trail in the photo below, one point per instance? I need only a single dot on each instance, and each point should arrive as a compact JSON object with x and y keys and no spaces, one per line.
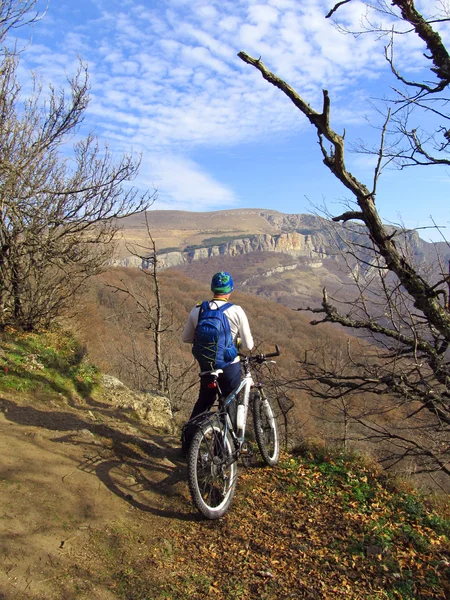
{"x":68,"y":473}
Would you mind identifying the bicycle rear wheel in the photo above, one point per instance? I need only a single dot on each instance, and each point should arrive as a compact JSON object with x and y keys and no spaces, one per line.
{"x":212,"y":472}
{"x":266,"y":430}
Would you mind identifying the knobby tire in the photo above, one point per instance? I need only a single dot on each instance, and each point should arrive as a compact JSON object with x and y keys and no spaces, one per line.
{"x":266,"y":430}
{"x":212,"y":481}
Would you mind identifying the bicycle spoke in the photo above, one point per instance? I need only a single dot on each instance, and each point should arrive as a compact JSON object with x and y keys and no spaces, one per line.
{"x":266,"y":430}
{"x":212,"y":479}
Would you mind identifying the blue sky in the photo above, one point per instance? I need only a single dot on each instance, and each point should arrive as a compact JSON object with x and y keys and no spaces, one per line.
{"x":166,"y":82}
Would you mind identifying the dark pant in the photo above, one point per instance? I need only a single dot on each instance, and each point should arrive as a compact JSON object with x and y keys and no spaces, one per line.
{"x":228,"y":381}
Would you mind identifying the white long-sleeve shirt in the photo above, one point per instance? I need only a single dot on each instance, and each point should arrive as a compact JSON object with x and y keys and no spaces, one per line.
{"x":237,"y":318}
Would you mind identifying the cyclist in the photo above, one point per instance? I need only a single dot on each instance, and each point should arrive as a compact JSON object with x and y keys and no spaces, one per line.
{"x":221,"y":286}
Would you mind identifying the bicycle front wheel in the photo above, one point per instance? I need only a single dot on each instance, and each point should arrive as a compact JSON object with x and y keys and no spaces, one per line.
{"x":266,"y":430}
{"x":212,"y":470}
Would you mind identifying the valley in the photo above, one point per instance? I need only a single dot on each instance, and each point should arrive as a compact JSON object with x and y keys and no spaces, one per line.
{"x":288,"y":258}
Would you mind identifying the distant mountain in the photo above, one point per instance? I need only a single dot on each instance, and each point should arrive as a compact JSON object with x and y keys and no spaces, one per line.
{"x":285,"y":257}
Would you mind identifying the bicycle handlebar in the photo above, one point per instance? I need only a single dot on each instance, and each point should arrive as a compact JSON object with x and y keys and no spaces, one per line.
{"x":277,"y":353}
{"x":260,"y":358}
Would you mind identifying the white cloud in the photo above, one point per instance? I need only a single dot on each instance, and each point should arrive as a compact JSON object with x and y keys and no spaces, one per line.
{"x":174,"y":73}
{"x":263,"y":15}
{"x":166,"y":79}
{"x":229,"y":23}
{"x":198,"y":56}
{"x":182,"y":185}
{"x":207,"y":11}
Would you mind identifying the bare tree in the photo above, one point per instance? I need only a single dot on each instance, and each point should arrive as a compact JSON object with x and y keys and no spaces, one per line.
{"x":147,"y":300}
{"x":15,"y":13}
{"x":401,"y":305}
{"x":58,"y":212}
{"x":159,"y":365}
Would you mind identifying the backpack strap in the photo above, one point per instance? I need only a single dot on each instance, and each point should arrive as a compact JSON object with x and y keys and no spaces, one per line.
{"x":203,"y":306}
{"x":224,"y":306}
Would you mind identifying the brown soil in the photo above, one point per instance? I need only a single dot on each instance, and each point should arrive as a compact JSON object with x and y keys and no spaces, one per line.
{"x":94,"y":506}
{"x":72,"y":478}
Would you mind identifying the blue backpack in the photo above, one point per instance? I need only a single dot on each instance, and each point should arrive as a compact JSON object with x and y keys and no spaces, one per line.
{"x":213,"y":345}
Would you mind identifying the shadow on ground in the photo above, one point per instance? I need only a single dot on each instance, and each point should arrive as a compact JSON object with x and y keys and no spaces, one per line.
{"x":138,"y":464}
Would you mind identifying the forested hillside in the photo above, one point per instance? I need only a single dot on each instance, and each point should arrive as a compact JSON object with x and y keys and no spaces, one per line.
{"x":117,"y":330}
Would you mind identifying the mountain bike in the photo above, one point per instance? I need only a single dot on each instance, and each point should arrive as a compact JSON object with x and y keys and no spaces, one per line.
{"x":219,"y":439}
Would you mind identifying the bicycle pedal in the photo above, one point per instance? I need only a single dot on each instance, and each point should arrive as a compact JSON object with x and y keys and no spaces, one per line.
{"x":246,"y":450}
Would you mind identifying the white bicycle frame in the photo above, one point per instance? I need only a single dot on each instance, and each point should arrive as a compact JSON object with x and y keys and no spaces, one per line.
{"x":245,"y":386}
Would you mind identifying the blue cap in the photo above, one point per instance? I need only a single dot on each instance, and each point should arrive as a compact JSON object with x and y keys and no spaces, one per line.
{"x":222,"y":283}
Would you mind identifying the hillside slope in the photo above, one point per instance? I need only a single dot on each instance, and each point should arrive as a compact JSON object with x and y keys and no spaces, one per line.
{"x":95,"y":506}
{"x":177,"y":228}
{"x":288,"y":258}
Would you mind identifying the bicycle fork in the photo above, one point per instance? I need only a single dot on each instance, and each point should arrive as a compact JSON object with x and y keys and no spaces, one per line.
{"x":267,"y":408}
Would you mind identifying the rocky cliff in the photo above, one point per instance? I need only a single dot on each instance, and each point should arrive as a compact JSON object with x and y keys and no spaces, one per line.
{"x":307,"y":236}
{"x":293,"y":243}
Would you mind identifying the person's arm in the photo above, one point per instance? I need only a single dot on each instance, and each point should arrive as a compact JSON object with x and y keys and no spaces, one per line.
{"x":189,"y":329}
{"x":245,"y":334}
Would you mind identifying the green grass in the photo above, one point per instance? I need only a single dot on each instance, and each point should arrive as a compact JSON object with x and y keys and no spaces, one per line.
{"x":46,"y":362}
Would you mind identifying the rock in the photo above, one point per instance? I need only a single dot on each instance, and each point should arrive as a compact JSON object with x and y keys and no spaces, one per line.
{"x":292,"y":243}
{"x":86,"y":433}
{"x":150,"y":407}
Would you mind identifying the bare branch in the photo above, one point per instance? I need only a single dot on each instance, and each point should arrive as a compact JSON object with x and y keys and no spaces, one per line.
{"x":335,"y":8}
{"x":424,"y":297}
{"x":432,"y":39}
